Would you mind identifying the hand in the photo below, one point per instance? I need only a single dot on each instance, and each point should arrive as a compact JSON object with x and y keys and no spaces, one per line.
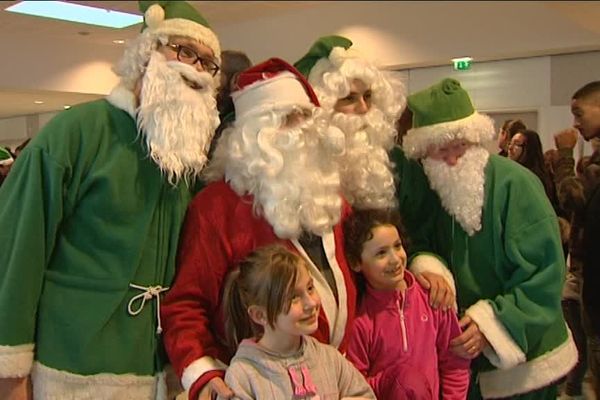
{"x":16,"y":388}
{"x":566,"y":139}
{"x":471,"y":342}
{"x":440,"y":292}
{"x":215,"y":387}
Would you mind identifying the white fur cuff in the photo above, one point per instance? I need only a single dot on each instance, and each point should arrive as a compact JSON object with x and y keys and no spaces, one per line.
{"x":16,"y":361}
{"x":198,"y":368}
{"x":50,"y":384}
{"x":424,"y":262}
{"x":504,"y":353}
{"x":532,"y":375}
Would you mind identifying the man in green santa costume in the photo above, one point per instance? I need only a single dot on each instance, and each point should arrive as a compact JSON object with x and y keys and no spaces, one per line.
{"x":365,"y":104}
{"x":95,"y":204}
{"x":500,"y":236}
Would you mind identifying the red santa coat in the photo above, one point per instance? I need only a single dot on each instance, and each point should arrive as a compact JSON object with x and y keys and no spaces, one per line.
{"x":220,"y":230}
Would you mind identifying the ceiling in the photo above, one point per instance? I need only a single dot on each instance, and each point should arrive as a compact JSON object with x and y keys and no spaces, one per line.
{"x":571,"y":18}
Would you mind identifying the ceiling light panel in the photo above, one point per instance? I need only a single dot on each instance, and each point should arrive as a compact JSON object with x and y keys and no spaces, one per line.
{"x":76,"y":13}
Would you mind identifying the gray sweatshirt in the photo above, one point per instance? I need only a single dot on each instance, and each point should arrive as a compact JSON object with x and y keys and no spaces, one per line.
{"x":316,"y":371}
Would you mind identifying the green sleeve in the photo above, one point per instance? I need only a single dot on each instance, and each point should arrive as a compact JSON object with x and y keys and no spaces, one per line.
{"x":31,"y":200}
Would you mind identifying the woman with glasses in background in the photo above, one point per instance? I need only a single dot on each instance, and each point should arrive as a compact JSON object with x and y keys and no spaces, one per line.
{"x":525,"y":148}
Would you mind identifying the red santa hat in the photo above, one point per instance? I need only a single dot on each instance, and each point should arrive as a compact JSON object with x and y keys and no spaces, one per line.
{"x":271,"y":85}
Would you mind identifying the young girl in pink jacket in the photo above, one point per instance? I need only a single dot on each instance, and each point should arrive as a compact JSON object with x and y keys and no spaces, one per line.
{"x":398,"y":342}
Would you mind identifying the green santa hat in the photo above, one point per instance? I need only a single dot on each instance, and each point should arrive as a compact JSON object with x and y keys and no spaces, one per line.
{"x":441,"y":113}
{"x":331,"y":59}
{"x":178,"y":18}
{"x":320,"y":51}
{"x":5,"y":157}
{"x":161,"y":20}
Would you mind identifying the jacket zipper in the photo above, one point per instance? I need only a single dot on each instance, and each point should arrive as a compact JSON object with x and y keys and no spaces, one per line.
{"x":402,"y":325}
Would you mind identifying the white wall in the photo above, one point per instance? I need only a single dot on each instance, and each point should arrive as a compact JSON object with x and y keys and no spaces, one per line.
{"x":14,"y":131}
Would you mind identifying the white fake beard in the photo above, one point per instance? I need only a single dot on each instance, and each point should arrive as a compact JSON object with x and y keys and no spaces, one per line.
{"x":366,"y":171}
{"x":177,"y":121}
{"x":290,"y":173}
{"x":461,"y":187}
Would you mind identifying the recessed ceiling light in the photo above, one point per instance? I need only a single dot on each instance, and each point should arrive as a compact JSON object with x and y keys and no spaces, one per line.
{"x":458,"y":59}
{"x":76,"y":13}
{"x":118,"y":41}
{"x":38,"y":102}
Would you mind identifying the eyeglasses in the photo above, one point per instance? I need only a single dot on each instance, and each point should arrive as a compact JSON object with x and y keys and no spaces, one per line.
{"x":516,"y":144}
{"x":190,"y":57}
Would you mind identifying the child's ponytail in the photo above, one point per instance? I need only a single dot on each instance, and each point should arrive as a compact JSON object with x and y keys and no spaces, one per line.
{"x":237,"y":321}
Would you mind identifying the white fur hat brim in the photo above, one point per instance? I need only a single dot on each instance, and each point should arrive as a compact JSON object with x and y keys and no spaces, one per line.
{"x":476,"y":128}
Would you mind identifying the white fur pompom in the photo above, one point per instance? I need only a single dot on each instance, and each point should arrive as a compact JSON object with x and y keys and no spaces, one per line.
{"x":154,"y":16}
{"x":337,"y":56}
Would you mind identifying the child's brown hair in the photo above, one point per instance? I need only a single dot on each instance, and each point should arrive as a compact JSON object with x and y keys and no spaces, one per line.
{"x":358,"y":229}
{"x":265,"y":278}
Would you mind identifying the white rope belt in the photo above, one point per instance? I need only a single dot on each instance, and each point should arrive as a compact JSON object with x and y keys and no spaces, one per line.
{"x":148,"y":294}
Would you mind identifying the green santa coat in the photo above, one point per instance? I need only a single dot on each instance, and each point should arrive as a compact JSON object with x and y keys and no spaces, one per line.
{"x":509,"y":278}
{"x":86,"y":214}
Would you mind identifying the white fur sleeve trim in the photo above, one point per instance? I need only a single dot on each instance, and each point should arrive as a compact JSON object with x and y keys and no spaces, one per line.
{"x":504,"y":352}
{"x":531,"y":375}
{"x":428,"y":263}
{"x":198,"y":368}
{"x":51,"y":383}
{"x":16,"y":361}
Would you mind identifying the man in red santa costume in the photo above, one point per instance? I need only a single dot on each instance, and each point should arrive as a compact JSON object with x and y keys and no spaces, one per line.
{"x":274,"y":179}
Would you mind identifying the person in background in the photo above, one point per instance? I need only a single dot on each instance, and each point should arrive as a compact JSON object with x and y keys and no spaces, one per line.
{"x":500,"y":234}
{"x":395,"y":326}
{"x":272,"y":179}
{"x":365,"y":104}
{"x":95,"y":203}
{"x":6,"y":162}
{"x":272,"y":308}
{"x":232,"y":63}
{"x":525,"y":147}
{"x":507,"y":131}
{"x":572,"y":198}
{"x":585,"y":107}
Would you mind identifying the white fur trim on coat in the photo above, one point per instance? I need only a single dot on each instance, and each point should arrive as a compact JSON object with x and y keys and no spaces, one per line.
{"x":198,"y":368}
{"x":424,"y":262}
{"x":504,"y":352}
{"x":123,"y":99}
{"x":532,"y":375}
{"x":54,"y":384}
{"x":476,"y":128}
{"x":336,"y":310}
{"x":16,"y":361}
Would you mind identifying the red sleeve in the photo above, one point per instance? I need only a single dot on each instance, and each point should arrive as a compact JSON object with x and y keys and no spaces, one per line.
{"x":454,"y":370}
{"x":191,"y":308}
{"x":218,"y":232}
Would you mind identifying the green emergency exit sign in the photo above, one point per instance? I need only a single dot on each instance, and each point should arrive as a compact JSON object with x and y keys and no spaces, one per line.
{"x":462,"y":64}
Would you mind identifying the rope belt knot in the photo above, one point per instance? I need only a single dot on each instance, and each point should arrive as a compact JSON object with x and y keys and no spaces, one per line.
{"x":148,"y":293}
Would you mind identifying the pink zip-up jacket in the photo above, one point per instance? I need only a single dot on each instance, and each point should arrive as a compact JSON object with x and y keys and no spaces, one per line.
{"x":401,"y":345}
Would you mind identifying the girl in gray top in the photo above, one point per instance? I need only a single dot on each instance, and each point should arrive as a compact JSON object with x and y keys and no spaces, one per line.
{"x":272,"y":307}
